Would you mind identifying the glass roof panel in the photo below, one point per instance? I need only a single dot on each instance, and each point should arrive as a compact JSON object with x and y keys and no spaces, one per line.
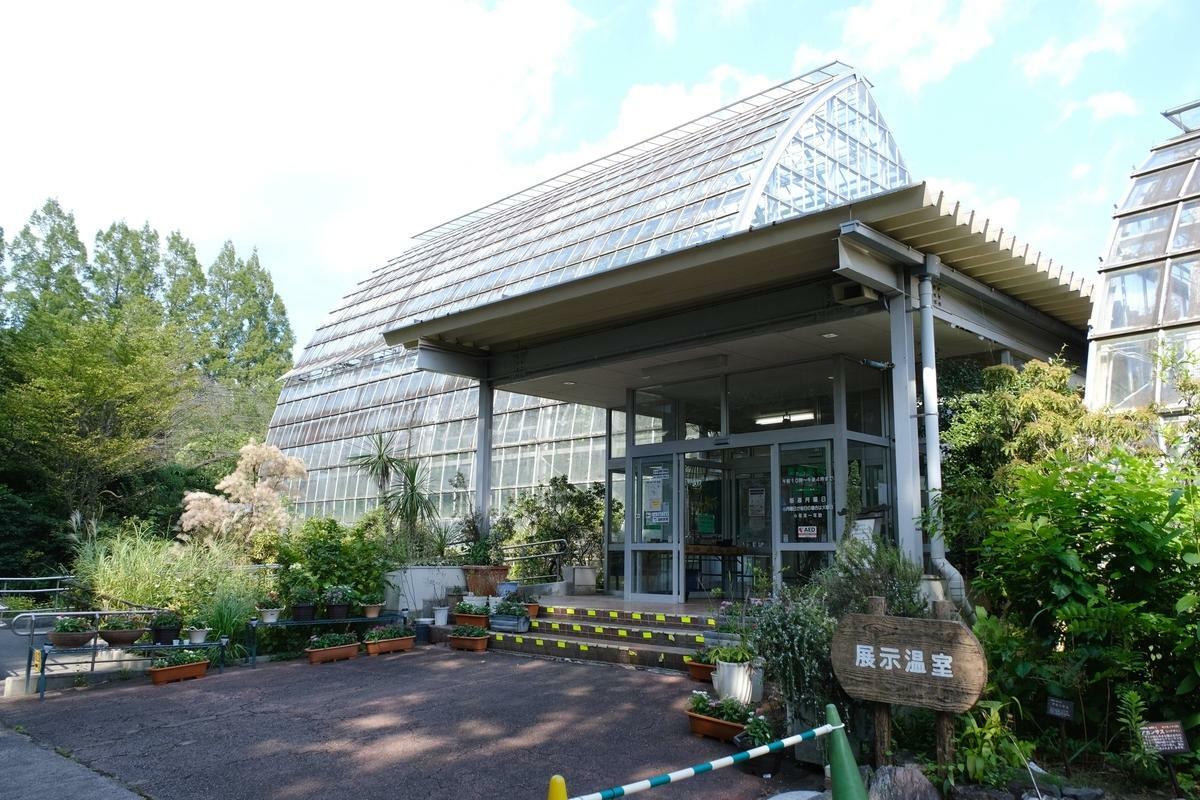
{"x":1157,"y":187}
{"x":1172,"y":153}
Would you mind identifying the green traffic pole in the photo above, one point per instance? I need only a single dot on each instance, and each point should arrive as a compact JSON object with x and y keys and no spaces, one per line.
{"x":843,"y":770}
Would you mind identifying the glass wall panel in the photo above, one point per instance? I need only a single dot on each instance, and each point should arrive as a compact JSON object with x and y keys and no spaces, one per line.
{"x":784,"y":397}
{"x":806,"y":488}
{"x":616,"y":441}
{"x":1126,"y":371}
{"x":1131,"y":300}
{"x":1183,"y":290}
{"x":1183,"y":347}
{"x":652,"y":571}
{"x":870,"y":470}
{"x":1142,"y":235}
{"x":799,"y":566}
{"x":1187,"y":232}
{"x":690,"y":410}
{"x":1157,"y":187}
{"x":864,"y":399}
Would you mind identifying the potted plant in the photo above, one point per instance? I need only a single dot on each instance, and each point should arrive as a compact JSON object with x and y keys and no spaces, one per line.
{"x":180,"y":665}
{"x":122,"y":631}
{"x":701,"y":666}
{"x":304,"y":603}
{"x":469,"y":637}
{"x":718,"y":720}
{"x":331,"y":647}
{"x":337,"y":600}
{"x":733,"y":676}
{"x":72,"y":632}
{"x":372,"y":603}
{"x":269,"y":607}
{"x":758,"y":732}
{"x":510,"y":616}
{"x":165,"y":627}
{"x":532,"y":606}
{"x":468,"y":614}
{"x":484,"y":568}
{"x":389,"y":639}
{"x":197,"y":632}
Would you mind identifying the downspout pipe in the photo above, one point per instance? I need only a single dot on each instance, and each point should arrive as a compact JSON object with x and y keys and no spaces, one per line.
{"x":955,"y":585}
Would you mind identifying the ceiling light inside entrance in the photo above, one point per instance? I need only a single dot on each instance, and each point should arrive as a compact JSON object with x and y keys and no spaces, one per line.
{"x":787,"y":416}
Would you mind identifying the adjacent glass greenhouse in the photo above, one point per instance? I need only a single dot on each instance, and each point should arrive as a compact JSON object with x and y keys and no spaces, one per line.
{"x":1148,"y":316}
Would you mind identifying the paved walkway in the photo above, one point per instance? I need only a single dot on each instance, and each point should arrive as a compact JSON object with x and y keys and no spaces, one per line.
{"x":429,"y":724}
{"x":31,"y":771}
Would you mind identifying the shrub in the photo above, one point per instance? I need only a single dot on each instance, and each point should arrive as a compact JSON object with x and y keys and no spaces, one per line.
{"x":322,"y":552}
{"x":792,"y":636}
{"x":860,"y":570}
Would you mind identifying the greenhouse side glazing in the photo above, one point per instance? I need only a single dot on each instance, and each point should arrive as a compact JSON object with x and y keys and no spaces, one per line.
{"x":1149,"y":303}
{"x":810,"y":144}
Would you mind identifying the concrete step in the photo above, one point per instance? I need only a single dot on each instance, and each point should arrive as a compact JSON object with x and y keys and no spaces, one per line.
{"x":562,"y":646}
{"x":581,"y":614}
{"x":594,"y":628}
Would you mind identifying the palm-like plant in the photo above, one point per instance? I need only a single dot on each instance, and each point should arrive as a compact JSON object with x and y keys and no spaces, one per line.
{"x":409,"y":498}
{"x":379,"y":462}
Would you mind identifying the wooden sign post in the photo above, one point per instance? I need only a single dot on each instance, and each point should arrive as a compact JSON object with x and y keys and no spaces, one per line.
{"x":927,"y":663}
{"x":1166,"y":739}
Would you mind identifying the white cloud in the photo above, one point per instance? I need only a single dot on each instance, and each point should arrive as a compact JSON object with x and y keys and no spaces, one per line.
{"x":1002,"y":210}
{"x":324,"y":138}
{"x":1103,"y":105}
{"x":733,"y":8}
{"x":663,"y":15}
{"x":922,"y":41}
{"x":1080,"y":170}
{"x":1062,"y":61}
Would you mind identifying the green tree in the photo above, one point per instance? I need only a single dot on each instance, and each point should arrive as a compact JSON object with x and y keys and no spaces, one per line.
{"x":251,"y":337}
{"x":47,"y":260}
{"x":126,"y":267}
{"x":185,"y":298}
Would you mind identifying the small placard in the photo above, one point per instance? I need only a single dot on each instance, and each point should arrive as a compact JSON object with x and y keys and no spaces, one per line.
{"x":1060,"y":708}
{"x":1164,"y":738}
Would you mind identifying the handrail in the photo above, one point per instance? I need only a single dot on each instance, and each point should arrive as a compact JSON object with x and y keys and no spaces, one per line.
{"x":555,"y":556}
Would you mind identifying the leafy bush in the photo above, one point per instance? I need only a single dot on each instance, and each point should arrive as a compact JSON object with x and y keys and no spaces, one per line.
{"x":337,"y":595}
{"x":324,"y":553}
{"x":331,"y":640}
{"x":380,"y":632}
{"x":792,"y":636}
{"x":987,"y":752}
{"x":860,"y":570}
{"x":177,"y":658}
{"x":73,"y":625}
{"x":469,"y":631}
{"x":560,"y":510}
{"x":166,"y":619}
{"x":122,"y":623}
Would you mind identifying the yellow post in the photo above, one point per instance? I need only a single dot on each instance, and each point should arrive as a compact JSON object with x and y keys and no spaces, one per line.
{"x":558,"y":788}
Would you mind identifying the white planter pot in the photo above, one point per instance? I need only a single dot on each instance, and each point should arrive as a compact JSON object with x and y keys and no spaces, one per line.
{"x":197,"y":636}
{"x":269,"y":615}
{"x":441,"y":615}
{"x":734,"y":680}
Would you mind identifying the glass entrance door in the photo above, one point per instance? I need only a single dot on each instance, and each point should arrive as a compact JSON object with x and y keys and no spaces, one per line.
{"x":654,"y":551}
{"x":806,"y":510}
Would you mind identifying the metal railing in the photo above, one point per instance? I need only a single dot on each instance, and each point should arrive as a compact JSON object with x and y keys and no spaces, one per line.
{"x":552,"y":550}
{"x":55,"y":585}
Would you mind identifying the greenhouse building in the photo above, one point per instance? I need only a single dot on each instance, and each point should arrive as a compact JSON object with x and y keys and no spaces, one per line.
{"x":729,"y":325}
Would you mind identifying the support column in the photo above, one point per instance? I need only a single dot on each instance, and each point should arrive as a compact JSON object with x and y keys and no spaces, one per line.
{"x":483,"y":457}
{"x":904,"y":426}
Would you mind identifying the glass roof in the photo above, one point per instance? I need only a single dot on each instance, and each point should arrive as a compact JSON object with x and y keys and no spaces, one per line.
{"x":812,"y":143}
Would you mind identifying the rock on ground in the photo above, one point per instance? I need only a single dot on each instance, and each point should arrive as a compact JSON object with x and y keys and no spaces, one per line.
{"x":902,"y":783}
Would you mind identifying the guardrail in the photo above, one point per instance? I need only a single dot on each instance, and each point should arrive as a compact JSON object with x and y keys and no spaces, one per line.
{"x":847,"y":781}
{"x":551,"y":549}
{"x":28,"y":587}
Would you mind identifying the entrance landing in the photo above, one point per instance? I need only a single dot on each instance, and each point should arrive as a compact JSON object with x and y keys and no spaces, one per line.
{"x":609,"y":603}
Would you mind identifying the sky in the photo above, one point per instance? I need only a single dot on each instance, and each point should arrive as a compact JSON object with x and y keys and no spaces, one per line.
{"x":325,"y":135}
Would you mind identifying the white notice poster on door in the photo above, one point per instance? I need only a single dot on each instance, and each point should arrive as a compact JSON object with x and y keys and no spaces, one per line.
{"x":758,"y":502}
{"x":653,"y":500}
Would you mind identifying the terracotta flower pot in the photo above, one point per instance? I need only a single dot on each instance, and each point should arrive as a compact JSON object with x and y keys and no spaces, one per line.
{"x":712,"y":727}
{"x":381,"y":646}
{"x":122,"y":638}
{"x":472,"y":643}
{"x":478,"y":620}
{"x":533,"y":609}
{"x":372,"y":611}
{"x":342,"y":652}
{"x":79,"y":638}
{"x":183,"y":672}
{"x":485,"y":581}
{"x":699,"y":671}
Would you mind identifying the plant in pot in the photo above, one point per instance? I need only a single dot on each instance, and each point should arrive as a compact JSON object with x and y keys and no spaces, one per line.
{"x":180,"y":665}
{"x":722,"y":719}
{"x":469,"y":637}
{"x":733,"y":676}
{"x":372,"y":603}
{"x":469,"y":614}
{"x":532,"y":606}
{"x":483,"y":567}
{"x":122,"y":631}
{"x":304,"y":603}
{"x":389,"y":639}
{"x":701,"y":666}
{"x":337,"y":600}
{"x":269,"y":606}
{"x":510,"y":616}
{"x":197,"y":632}
{"x":72,"y":632}
{"x":759,"y":732}
{"x":165,"y":627}
{"x":331,"y":647}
